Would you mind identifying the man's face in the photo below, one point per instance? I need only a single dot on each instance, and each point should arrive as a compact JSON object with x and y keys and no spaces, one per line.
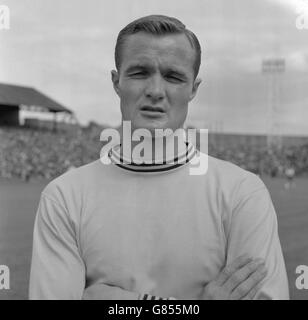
{"x":156,"y":80}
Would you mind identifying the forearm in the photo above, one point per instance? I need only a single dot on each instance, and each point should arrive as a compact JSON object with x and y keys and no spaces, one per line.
{"x":102,"y":291}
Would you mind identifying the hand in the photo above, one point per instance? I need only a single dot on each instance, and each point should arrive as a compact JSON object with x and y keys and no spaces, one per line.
{"x":239,"y":280}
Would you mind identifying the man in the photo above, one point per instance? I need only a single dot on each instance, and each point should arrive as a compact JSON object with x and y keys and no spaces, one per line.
{"x":147,"y":229}
{"x":290,"y":174}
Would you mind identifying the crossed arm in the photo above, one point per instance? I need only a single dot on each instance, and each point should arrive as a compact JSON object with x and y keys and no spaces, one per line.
{"x":58,"y":271}
{"x":240,"y":280}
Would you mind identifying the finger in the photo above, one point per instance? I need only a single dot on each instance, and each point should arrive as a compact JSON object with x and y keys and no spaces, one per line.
{"x":251,"y":285}
{"x":231,"y":268}
{"x":252,"y":293}
{"x":242,"y":274}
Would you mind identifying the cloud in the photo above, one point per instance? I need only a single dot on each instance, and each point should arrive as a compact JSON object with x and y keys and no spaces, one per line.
{"x":294,"y":5}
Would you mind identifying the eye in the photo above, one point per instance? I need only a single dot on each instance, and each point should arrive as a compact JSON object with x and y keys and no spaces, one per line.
{"x":138,"y":74}
{"x":173,"y":78}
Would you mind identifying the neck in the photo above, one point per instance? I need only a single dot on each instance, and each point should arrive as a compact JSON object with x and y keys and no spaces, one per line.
{"x":154,"y":148}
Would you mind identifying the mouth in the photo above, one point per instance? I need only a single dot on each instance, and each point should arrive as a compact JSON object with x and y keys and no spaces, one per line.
{"x":152,"y":110}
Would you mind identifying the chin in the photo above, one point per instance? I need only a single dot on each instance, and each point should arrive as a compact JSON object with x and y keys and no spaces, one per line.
{"x":150,"y":125}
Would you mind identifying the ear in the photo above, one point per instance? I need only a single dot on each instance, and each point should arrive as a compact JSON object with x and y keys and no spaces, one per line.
{"x":195,"y":88}
{"x":115,"y":80}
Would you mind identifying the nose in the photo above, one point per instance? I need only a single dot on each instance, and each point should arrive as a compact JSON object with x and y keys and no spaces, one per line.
{"x":155,"y":88}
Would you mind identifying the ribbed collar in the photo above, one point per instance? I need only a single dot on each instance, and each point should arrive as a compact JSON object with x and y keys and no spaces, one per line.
{"x":145,"y":164}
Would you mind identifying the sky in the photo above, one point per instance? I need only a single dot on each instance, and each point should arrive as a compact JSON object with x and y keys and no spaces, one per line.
{"x":65,"y":49}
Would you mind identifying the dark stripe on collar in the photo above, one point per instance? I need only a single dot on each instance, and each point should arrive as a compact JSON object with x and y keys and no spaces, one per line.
{"x":147,"y":168}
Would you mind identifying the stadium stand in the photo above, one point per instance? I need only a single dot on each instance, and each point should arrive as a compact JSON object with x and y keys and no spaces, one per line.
{"x":27,"y":153}
{"x":43,"y":154}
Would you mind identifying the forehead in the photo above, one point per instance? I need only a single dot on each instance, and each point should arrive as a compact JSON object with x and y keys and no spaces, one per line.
{"x":172,"y":50}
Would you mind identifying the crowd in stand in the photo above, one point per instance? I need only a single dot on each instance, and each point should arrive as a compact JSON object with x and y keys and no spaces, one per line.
{"x":43,"y":154}
{"x":264,"y":161}
{"x":37,"y":154}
